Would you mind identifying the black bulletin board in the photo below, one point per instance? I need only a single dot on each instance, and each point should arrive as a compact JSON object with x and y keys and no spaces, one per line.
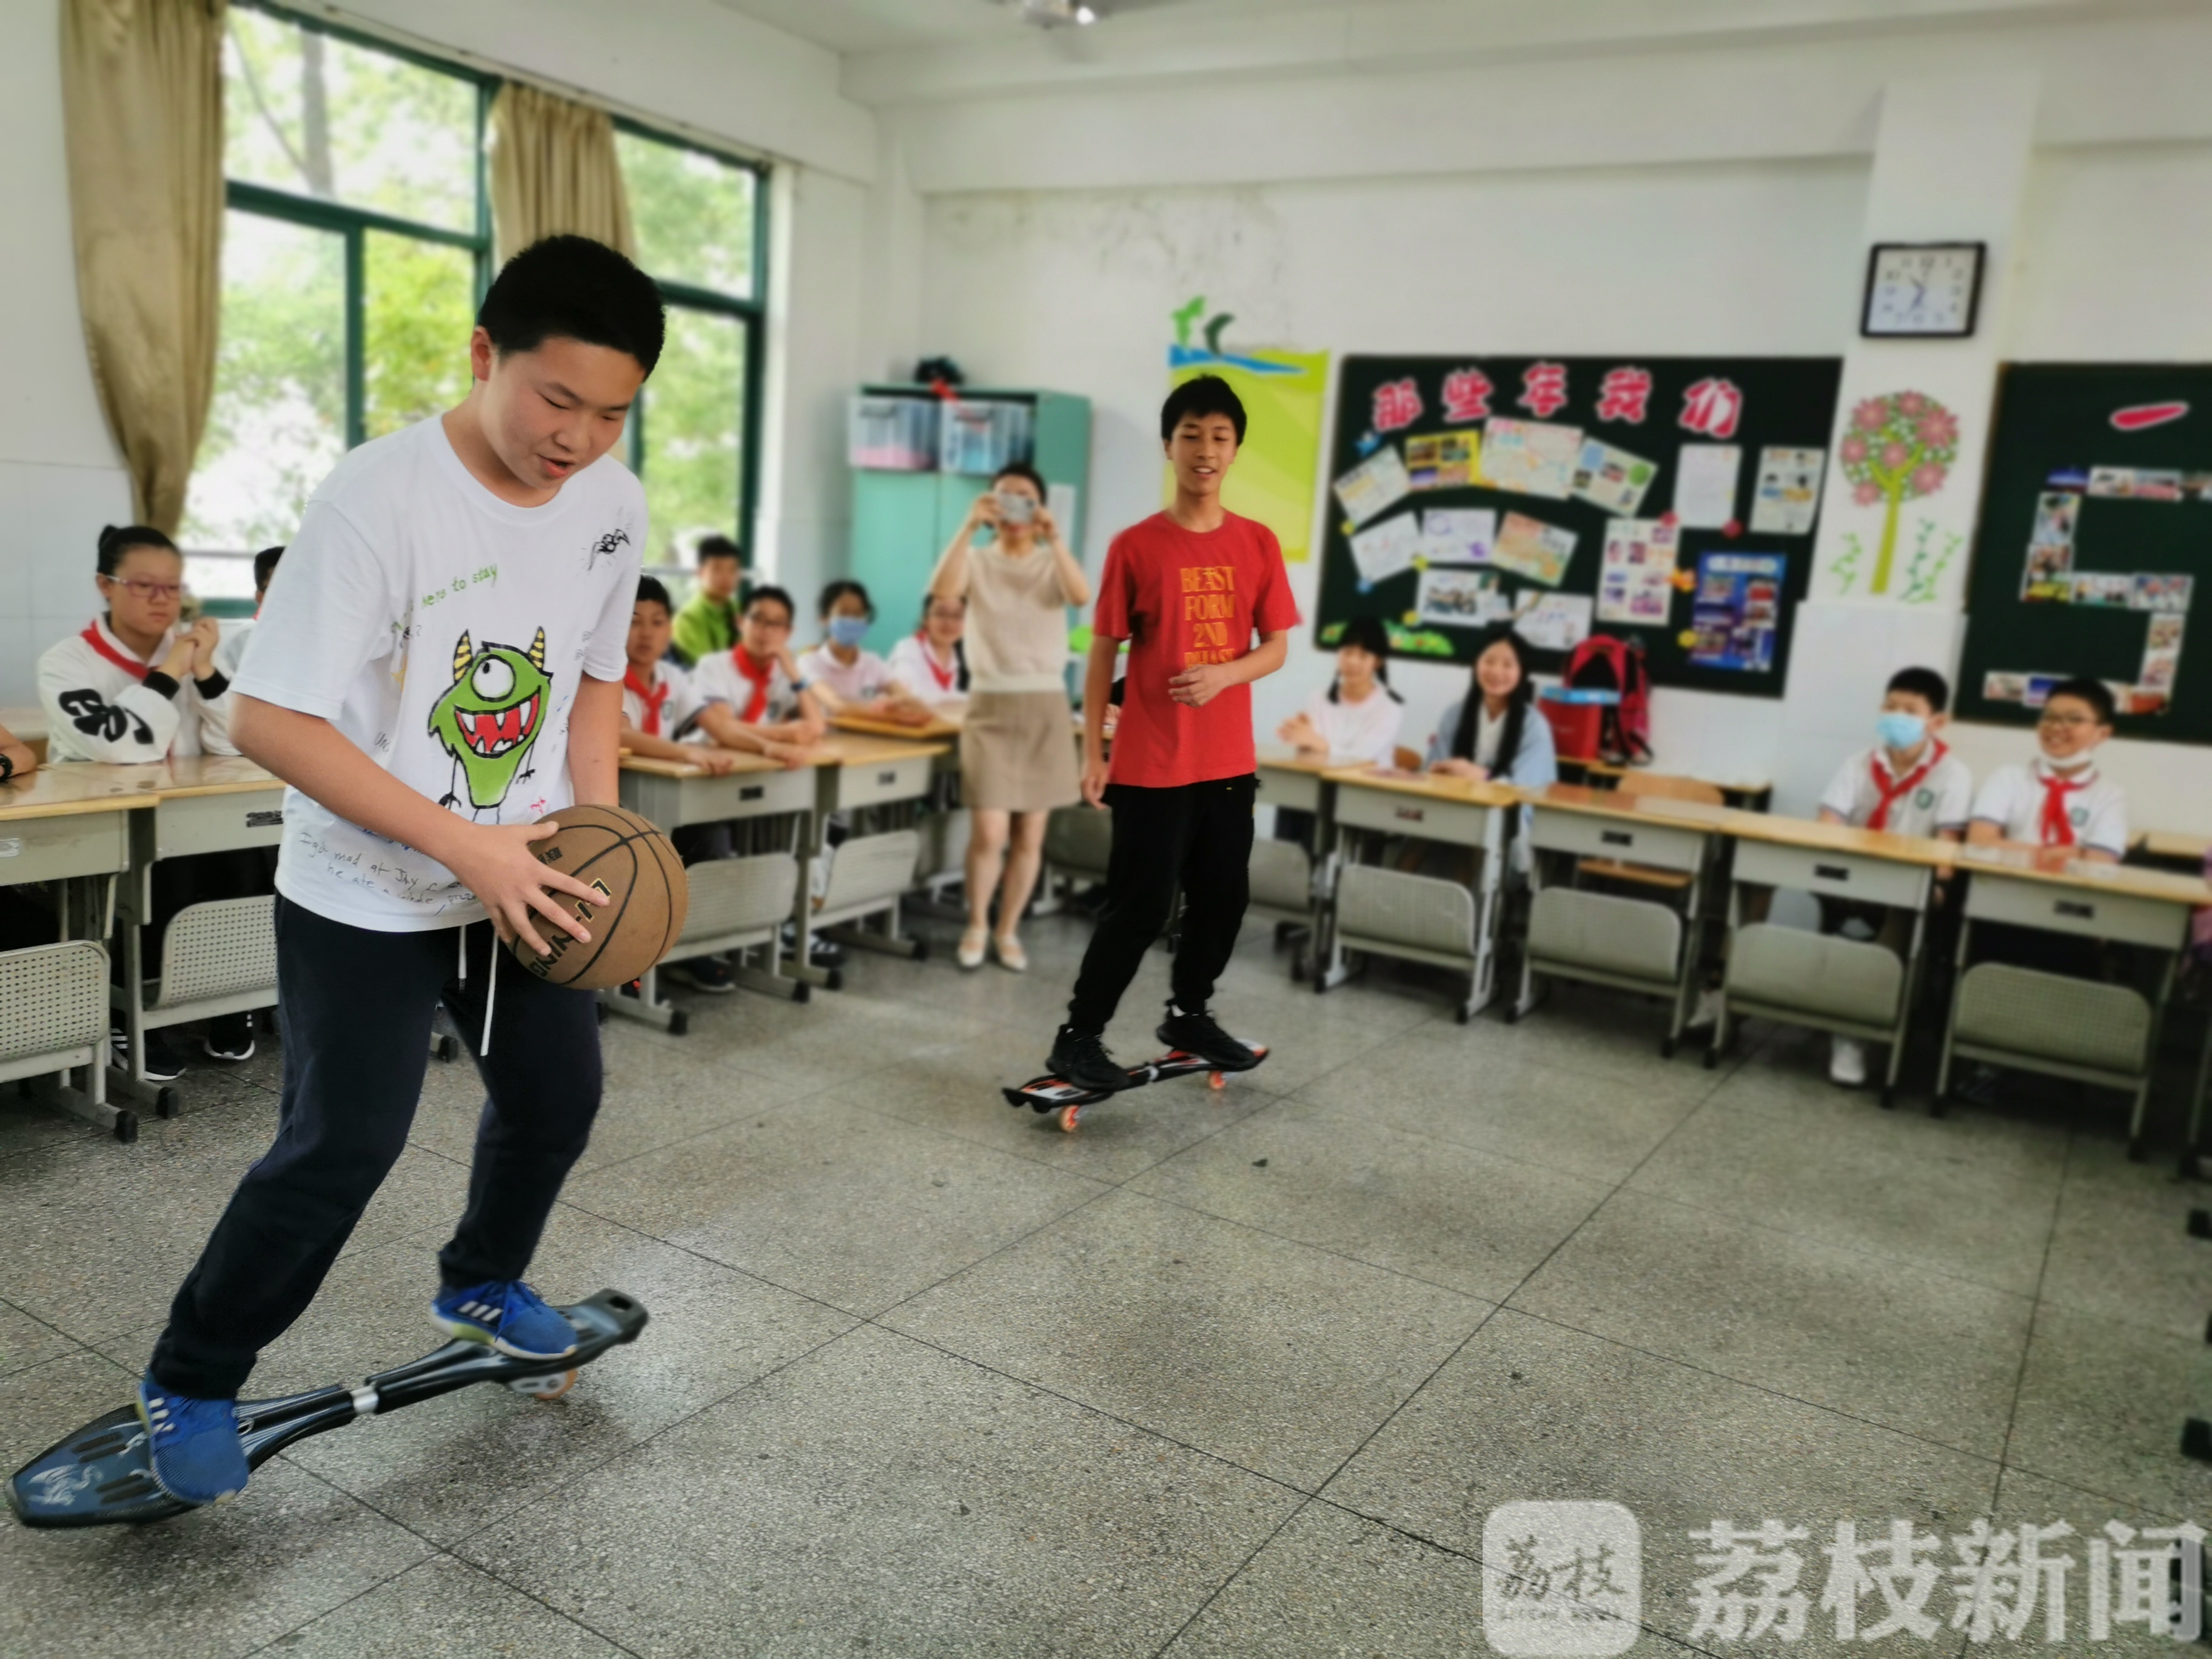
{"x":1777,"y":401}
{"x":2069,"y":439}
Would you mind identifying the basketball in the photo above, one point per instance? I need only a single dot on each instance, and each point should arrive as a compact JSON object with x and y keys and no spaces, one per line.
{"x":642,"y":913}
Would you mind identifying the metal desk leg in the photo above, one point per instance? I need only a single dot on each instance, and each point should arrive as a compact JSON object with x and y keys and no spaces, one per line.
{"x":1722,"y":1021}
{"x":1329,"y":970}
{"x":815,"y":839}
{"x":133,"y":1084}
{"x":1685,"y":986}
{"x":2150,"y":1055}
{"x":2191,"y":1168}
{"x":1909,"y":995}
{"x":1937,"y":1107}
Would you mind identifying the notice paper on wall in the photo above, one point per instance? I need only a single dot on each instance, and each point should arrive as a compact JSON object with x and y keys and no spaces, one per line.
{"x":1636,"y":582}
{"x":1386,"y":549}
{"x":1375,"y":485}
{"x":1458,"y":598}
{"x":1531,"y":457}
{"x":1556,"y":621}
{"x":2162,"y":663}
{"x":1613,"y":479}
{"x":1738,"y":610}
{"x":1787,"y":497}
{"x":1444,"y":460}
{"x":1465,"y":535}
{"x":1704,"y":485}
{"x":1528,"y":547}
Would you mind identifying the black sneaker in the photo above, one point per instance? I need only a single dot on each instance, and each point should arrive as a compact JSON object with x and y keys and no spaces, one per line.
{"x":821,"y":952}
{"x":229,"y":1037}
{"x":1080,"y":1058}
{"x":163,"y":1063}
{"x":1197,"y":1034}
{"x":703,"y":974}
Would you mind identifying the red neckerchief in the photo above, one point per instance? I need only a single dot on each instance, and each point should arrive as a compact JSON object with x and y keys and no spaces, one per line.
{"x":1894,"y":791}
{"x":93,"y":637}
{"x":757,"y":678}
{"x":651,"y":697}
{"x":944,"y":677}
{"x":2056,"y":828}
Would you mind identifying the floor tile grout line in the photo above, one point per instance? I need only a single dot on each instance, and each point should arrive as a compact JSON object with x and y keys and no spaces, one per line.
{"x":1236,"y":1572}
{"x":2034,"y":1315}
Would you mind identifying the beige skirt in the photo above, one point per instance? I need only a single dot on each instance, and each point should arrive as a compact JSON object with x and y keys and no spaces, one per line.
{"x":1017,"y":752}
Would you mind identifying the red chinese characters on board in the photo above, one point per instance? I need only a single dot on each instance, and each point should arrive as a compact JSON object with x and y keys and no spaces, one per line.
{"x":1397,"y":404}
{"x":1713,"y":406}
{"x":1467,"y":396}
{"x":1544,"y":389}
{"x":1623,"y":395}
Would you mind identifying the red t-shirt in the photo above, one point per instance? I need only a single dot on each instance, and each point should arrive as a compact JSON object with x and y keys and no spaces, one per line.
{"x":1180,"y":598}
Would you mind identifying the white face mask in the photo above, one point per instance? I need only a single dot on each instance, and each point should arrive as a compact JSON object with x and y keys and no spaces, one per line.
{"x":2078,"y":760}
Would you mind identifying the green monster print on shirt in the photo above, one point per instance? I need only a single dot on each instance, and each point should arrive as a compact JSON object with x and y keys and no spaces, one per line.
{"x":489,"y":717}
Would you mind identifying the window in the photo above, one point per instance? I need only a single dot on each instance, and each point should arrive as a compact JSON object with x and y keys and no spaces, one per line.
{"x":356,"y":245}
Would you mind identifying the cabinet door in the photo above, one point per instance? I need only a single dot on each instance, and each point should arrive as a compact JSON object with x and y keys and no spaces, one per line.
{"x":894,"y":547}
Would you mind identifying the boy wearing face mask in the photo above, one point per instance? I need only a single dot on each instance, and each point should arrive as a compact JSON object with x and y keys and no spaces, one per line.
{"x":2060,"y":799}
{"x":1909,"y":783}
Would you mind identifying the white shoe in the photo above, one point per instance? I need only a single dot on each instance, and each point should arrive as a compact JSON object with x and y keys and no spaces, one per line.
{"x":1707,"y":1013}
{"x":1847,"y":1062}
{"x":1011,"y":957}
{"x":970,"y":953}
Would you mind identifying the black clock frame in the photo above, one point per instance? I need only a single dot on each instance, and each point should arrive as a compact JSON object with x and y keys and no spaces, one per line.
{"x":1868,"y":332}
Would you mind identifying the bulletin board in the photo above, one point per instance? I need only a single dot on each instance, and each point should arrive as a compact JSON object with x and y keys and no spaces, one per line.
{"x":1671,"y":500}
{"x":2094,"y":550}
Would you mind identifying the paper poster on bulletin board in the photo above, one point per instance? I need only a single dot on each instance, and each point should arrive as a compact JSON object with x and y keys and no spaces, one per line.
{"x":1671,"y":500}
{"x":1284,"y":395}
{"x":2094,"y":549}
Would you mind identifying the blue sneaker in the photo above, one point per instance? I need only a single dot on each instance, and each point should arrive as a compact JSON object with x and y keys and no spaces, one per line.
{"x":509,"y":1316}
{"x":192,"y":1445}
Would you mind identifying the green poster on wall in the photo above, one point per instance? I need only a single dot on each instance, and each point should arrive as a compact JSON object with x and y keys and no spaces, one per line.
{"x":1284,"y":393}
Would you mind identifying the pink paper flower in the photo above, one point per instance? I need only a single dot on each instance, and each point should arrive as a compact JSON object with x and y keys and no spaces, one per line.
{"x":1911,"y":402}
{"x":1928,"y":478}
{"x":1895,"y":454}
{"x":1854,"y":449}
{"x":1871,"y":415}
{"x":1867,"y":495}
{"x":1938,"y":430}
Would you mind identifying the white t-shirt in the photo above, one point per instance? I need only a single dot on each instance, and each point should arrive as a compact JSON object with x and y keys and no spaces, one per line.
{"x":867,"y":676}
{"x":1356,"y":731}
{"x":2012,"y":799}
{"x":444,"y":632}
{"x":916,"y":670}
{"x":679,"y":705}
{"x":717,"y":679}
{"x":1942,"y":800}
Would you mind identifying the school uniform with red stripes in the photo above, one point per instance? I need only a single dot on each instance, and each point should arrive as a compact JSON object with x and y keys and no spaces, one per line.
{"x":103,"y":703}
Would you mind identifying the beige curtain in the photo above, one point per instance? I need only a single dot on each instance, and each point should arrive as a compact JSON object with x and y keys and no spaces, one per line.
{"x":553,"y":172}
{"x":142,"y":89}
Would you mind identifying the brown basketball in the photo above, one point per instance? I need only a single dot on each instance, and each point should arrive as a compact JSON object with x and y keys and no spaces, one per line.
{"x":641,"y":912}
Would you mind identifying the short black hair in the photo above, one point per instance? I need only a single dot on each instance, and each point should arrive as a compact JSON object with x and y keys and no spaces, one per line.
{"x":1208,"y":394}
{"x":116,"y":540}
{"x":833,"y":591}
{"x":2095,"y":693}
{"x":649,"y":590}
{"x":1022,"y":470}
{"x":717,"y":547}
{"x":771,"y":590}
{"x":1923,"y":682}
{"x":1367,"y":634}
{"x":572,"y":288}
{"x":265,"y":566}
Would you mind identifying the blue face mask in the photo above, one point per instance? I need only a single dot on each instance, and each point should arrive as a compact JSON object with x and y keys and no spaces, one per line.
{"x":847,"y":631}
{"x":1897,"y":731}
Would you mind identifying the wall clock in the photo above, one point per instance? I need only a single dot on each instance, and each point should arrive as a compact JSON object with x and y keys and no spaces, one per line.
{"x":1928,"y":289}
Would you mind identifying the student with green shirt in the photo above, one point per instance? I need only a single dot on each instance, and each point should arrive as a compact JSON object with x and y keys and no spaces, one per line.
{"x":707,"y":626}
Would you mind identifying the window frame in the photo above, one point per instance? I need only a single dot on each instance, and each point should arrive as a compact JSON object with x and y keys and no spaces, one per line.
{"x":353,"y":225}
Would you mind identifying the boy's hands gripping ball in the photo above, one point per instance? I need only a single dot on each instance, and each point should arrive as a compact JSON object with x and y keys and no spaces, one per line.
{"x":639,"y":913}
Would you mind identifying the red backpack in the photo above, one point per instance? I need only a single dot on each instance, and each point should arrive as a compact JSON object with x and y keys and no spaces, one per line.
{"x":1602,"y":663}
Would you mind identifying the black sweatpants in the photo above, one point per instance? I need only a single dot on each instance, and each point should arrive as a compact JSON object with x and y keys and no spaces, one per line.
{"x":1197,"y":836}
{"x":354,"y":1007}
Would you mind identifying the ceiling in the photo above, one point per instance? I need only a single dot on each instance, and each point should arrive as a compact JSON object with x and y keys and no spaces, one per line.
{"x":863,"y":26}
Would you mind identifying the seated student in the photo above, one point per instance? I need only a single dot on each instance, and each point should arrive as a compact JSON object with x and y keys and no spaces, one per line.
{"x":931,"y":662}
{"x":1496,"y":732}
{"x":232,"y":651}
{"x":849,"y":678}
{"x":660,"y":707}
{"x":773,"y":709}
{"x":1356,"y":719}
{"x":133,"y":687}
{"x":1909,"y":783}
{"x":2059,"y":799}
{"x":707,"y":623}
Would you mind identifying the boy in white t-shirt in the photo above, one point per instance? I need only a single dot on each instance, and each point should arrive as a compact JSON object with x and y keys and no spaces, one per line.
{"x":230,"y":656}
{"x":770,"y":708}
{"x":1909,"y":783}
{"x":2059,"y":799}
{"x":442,"y":667}
{"x":850,"y":679}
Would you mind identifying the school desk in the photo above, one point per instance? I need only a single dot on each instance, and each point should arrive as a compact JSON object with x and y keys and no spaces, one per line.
{"x":2055,"y":1022}
{"x":1288,"y":876}
{"x":738,"y":903}
{"x":880,"y":784}
{"x":218,"y":957}
{"x":1636,"y":944}
{"x":28,"y":724}
{"x":1748,"y":794}
{"x":940,"y":726}
{"x":1857,"y":989}
{"x":70,"y":829}
{"x":1391,"y":913}
{"x":2165,"y":849}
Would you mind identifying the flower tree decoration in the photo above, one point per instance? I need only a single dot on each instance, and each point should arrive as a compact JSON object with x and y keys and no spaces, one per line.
{"x":1899,"y":448}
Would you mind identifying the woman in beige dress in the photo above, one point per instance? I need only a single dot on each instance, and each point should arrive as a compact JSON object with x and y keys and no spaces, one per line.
{"x":1018,"y":743}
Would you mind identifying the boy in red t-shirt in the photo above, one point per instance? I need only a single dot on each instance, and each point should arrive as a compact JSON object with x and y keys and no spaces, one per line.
{"x":1188,"y":588}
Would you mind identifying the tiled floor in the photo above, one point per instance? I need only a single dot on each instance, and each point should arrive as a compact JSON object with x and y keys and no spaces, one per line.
{"x":1235,"y":1373}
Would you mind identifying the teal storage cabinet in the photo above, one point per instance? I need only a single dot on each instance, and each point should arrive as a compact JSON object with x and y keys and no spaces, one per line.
{"x":901,"y":520}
